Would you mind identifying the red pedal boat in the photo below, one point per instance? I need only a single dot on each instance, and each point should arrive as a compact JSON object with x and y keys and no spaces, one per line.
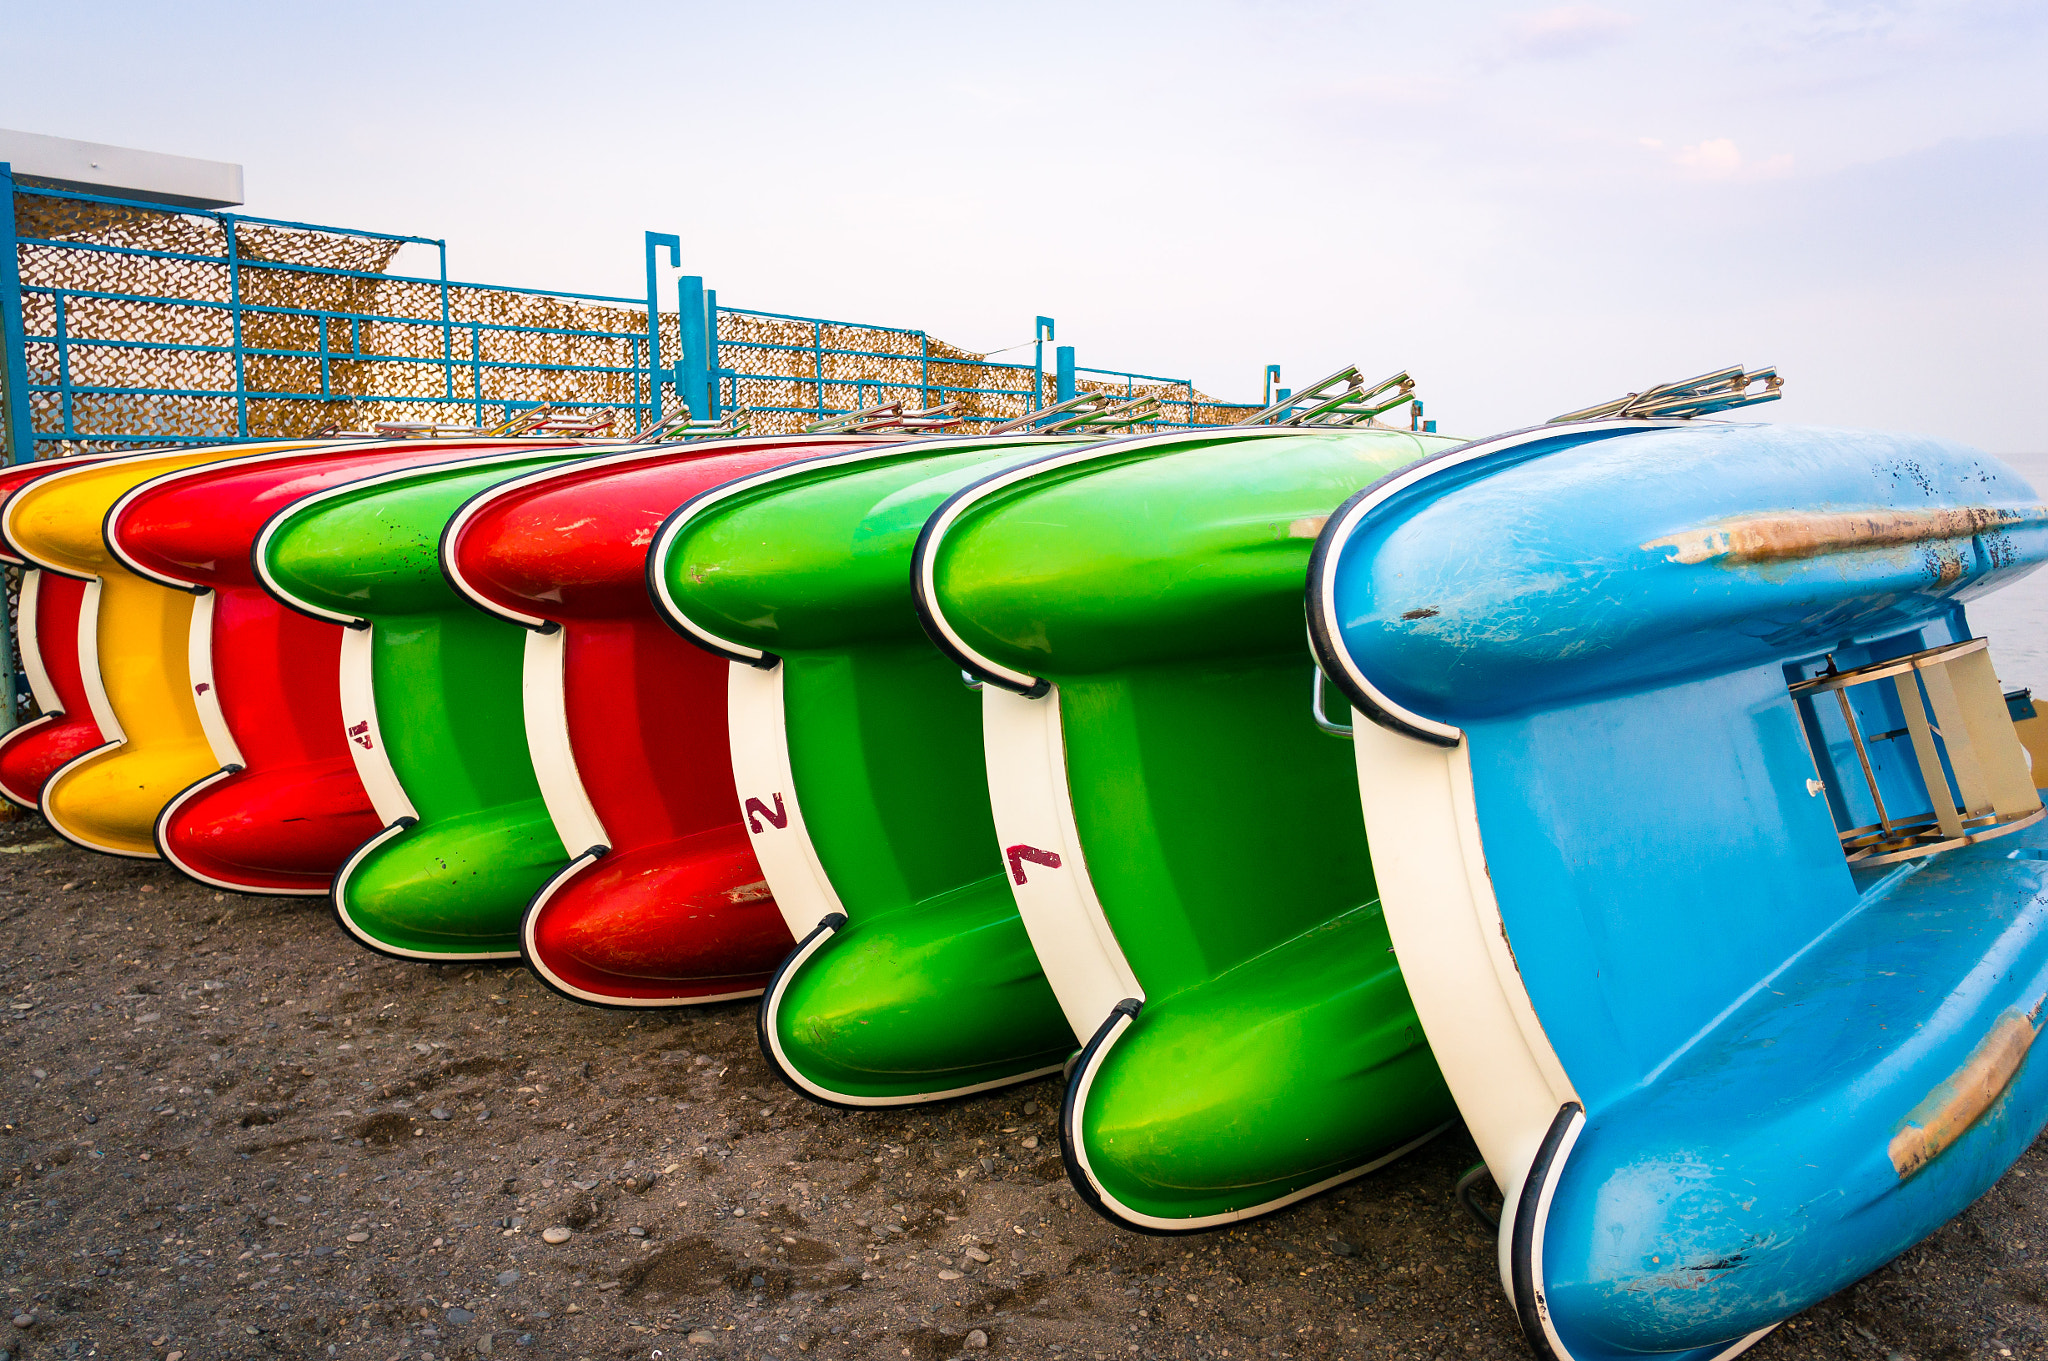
{"x":46,"y":641}
{"x":662,"y":903}
{"x":286,"y":807}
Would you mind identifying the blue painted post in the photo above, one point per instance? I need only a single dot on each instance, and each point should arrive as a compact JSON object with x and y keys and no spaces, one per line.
{"x":1041,"y":331}
{"x":711,"y":353}
{"x":1063,"y":374}
{"x":655,"y":241}
{"x":447,"y":331}
{"x":227,"y":222}
{"x":1272,"y":377}
{"x":691,"y":370}
{"x":19,"y":433}
{"x":20,"y":436}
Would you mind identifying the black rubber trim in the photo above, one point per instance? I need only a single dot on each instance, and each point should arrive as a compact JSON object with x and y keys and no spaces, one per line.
{"x":15,"y":734}
{"x":577,"y":864}
{"x":1523,"y":1268}
{"x":389,"y":475}
{"x":762,"y":480}
{"x":767,"y":661}
{"x":361,"y":938}
{"x":263,"y":583}
{"x":827,"y":925}
{"x":927,"y":609}
{"x":1070,"y":1131}
{"x":442,"y":545}
{"x":1329,"y":651}
{"x":156,"y":834}
{"x":43,"y":804}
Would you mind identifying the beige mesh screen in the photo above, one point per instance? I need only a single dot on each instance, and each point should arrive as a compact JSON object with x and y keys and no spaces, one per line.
{"x":385,"y":352}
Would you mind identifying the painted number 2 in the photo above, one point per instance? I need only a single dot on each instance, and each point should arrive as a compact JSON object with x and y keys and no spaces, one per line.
{"x":758,"y":811}
{"x":1020,"y":853}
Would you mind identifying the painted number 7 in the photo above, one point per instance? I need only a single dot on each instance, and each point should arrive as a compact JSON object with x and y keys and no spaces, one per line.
{"x":1020,"y":853}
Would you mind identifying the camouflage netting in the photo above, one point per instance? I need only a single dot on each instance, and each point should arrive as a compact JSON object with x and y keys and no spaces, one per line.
{"x":360,"y":348}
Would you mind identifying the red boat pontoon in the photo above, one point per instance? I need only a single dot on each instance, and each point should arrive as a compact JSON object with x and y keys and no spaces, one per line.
{"x":286,"y":807}
{"x":47,"y":640}
{"x":663,"y":903}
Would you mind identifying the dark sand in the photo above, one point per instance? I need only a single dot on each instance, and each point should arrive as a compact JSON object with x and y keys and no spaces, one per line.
{"x":208,"y":1097}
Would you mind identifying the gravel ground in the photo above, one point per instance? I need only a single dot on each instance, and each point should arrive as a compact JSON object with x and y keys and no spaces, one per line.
{"x":231,"y":1132}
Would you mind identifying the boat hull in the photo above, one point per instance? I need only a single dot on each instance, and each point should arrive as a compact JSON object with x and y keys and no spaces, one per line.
{"x":281,"y":806}
{"x":1719,"y":1066}
{"x":662,"y":903}
{"x":132,"y":653}
{"x":46,"y":645}
{"x":431,"y":704}
{"x":857,"y":756}
{"x":1181,"y":839}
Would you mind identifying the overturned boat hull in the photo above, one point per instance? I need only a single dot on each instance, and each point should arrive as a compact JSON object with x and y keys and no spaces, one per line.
{"x":1733,"y":961}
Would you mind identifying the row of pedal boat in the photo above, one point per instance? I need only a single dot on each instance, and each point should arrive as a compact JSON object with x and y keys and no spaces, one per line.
{"x":1681,"y":839}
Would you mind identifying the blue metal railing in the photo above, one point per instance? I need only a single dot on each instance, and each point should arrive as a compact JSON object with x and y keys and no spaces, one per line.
{"x":182,"y":335}
{"x":446,"y":366}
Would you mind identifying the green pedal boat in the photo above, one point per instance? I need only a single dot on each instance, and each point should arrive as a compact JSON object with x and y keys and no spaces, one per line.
{"x":1183,"y":843}
{"x":431,"y":701}
{"x":857,"y":754}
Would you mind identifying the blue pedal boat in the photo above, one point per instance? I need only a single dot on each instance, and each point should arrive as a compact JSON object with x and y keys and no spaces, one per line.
{"x":1714,"y":865}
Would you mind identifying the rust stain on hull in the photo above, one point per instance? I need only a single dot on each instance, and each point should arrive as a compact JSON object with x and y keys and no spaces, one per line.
{"x":1947,"y":1112}
{"x":1781,"y":538}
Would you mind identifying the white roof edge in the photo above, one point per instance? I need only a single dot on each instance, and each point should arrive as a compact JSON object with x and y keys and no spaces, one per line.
{"x":122,"y":172}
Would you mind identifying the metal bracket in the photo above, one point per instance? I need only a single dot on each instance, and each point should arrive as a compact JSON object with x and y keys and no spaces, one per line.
{"x":680,"y":426}
{"x":890,"y":418}
{"x":1342,"y":399}
{"x":1315,"y":705}
{"x":1722,"y":390}
{"x":1086,"y":414}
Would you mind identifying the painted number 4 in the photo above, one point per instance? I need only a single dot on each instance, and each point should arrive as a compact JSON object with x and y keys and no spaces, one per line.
{"x":757,"y":812}
{"x":1020,"y":853}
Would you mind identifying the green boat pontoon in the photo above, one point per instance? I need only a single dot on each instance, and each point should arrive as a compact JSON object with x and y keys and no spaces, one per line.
{"x":1183,"y":842}
{"x":430,"y":695}
{"x":857,"y":752}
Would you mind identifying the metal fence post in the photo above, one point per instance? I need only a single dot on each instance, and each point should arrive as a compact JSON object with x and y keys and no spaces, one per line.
{"x":655,"y":241}
{"x":691,"y":370}
{"x":712,"y":365}
{"x":447,"y":332}
{"x":227,"y":220}
{"x":1041,"y":331}
{"x":19,"y":437}
{"x":1063,"y":374}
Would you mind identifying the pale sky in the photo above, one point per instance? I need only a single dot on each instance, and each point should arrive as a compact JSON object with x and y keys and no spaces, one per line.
{"x":1531,"y":208}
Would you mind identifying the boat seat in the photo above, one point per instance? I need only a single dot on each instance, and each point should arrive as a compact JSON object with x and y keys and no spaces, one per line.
{"x":103,"y":797}
{"x":39,"y":748}
{"x":288,"y":825}
{"x":1714,"y":1151}
{"x":880,"y":1008}
{"x":47,"y":637}
{"x":659,"y":922}
{"x":1195,"y":1070}
{"x":419,"y":889}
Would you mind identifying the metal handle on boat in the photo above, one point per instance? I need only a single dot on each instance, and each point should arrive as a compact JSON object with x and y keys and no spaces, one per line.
{"x":1315,"y":704}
